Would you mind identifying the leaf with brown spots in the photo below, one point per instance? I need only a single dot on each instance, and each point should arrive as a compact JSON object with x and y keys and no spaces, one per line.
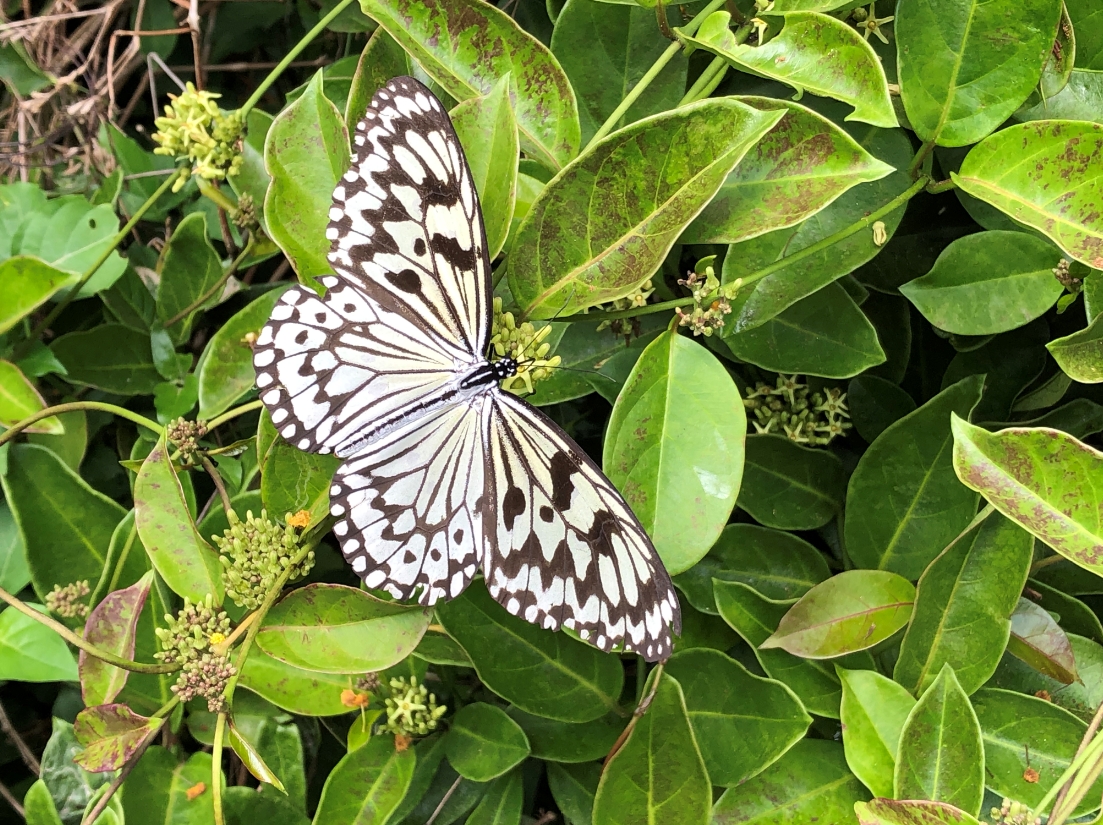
{"x":111,"y":734}
{"x":112,"y":626}
{"x":911,"y":812}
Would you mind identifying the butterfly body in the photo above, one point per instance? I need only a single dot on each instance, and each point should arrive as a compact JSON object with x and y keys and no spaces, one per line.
{"x":445,"y":473}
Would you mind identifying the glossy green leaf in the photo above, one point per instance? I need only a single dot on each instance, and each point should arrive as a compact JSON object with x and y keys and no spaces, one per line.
{"x":243,"y":805}
{"x":441,"y":649}
{"x":1009,"y":362}
{"x":226,"y":370}
{"x":1085,"y":16}
{"x":754,"y":617}
{"x":65,"y":524}
{"x":742,"y":722}
{"x":1052,"y":189}
{"x":903,"y":505}
{"x":814,"y":53}
{"x":484,"y":742}
{"x":502,"y":803}
{"x":674,"y":446}
{"x":71,"y":237}
{"x":367,"y":785}
{"x":70,"y":786}
{"x":963,"y":607}
{"x":111,"y":734}
{"x":801,"y":166}
{"x":189,"y":269}
{"x":109,"y":357}
{"x":157,"y":790}
{"x":293,"y":480}
{"x":38,"y":806}
{"x":811,"y":783}
{"x":605,"y":49}
{"x":251,"y":758}
{"x":1023,"y":732}
{"x":380,"y":60}
{"x":642,"y":185}
{"x":911,"y":812}
{"x":1080,"y":698}
{"x":19,"y":399}
{"x":544,"y":673}
{"x":632,"y":791}
{"x":28,"y":283}
{"x":1074,"y":615}
{"x":1038,"y":640}
{"x":487,"y":130}
{"x":853,"y":610}
{"x":468,"y":46}
{"x":306,"y":153}
{"x":14,"y":572}
{"x":778,"y":565}
{"x":875,"y":404}
{"x":1044,"y":480}
{"x":574,"y":788}
{"x":70,"y":445}
{"x":987,"y":283}
{"x":788,"y":486}
{"x":1080,"y":355}
{"x":873,"y":712}
{"x":332,"y":628}
{"x":964,"y":67}
{"x":294,"y":689}
{"x":825,"y":334}
{"x":111,"y":626}
{"x":569,"y":742}
{"x":179,"y":554}
{"x":32,"y":652}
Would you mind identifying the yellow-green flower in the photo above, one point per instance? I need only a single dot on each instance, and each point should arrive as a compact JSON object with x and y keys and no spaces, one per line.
{"x":193,"y":128}
{"x":525,"y":344}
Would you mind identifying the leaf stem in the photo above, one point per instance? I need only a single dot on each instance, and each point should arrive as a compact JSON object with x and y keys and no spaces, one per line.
{"x":212,"y":471}
{"x":937,"y":187}
{"x":71,"y":295}
{"x":216,"y":767}
{"x":86,"y":646}
{"x":234,"y":413}
{"x":730,"y":290}
{"x":690,"y":28}
{"x":79,"y":405}
{"x":306,"y":40}
{"x":920,"y":157}
{"x":708,"y":81}
{"x":215,"y":287}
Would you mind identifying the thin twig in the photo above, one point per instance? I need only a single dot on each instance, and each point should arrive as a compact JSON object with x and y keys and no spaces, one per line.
{"x":29,"y":759}
{"x":212,"y":471}
{"x":215,"y":288}
{"x":11,"y":800}
{"x":444,"y":801}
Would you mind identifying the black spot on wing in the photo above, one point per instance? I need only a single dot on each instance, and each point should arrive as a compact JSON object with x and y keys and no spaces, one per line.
{"x":407,"y":280}
{"x":512,"y":506}
{"x":562,"y":467}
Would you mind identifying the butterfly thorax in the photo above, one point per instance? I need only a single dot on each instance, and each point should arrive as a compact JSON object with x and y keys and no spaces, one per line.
{"x":487,"y":374}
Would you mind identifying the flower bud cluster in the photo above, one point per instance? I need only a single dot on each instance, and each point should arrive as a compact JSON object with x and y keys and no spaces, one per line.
{"x":186,"y":434}
{"x":66,"y":601}
{"x":1014,"y":813}
{"x":806,"y":417}
{"x":189,"y":640}
{"x":254,"y":553}
{"x":194,"y":128}
{"x":634,"y":299}
{"x":703,"y":285}
{"x":411,"y":709}
{"x":525,"y":344}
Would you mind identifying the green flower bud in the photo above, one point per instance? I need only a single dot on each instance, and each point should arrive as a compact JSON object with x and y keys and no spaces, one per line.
{"x":254,"y":554}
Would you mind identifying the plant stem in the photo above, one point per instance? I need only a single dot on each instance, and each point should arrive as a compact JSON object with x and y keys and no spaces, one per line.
{"x":941,"y":186}
{"x":690,"y":28}
{"x":216,"y":195}
{"x":1089,"y":734}
{"x":1079,"y":761}
{"x":86,"y":646}
{"x":729,"y":290}
{"x":101,"y":406}
{"x":44,"y":324}
{"x":216,"y":767}
{"x":234,"y":413}
{"x":212,"y":471}
{"x":215,"y":288}
{"x":273,"y":75}
{"x":717,"y":65}
{"x":920,"y":156}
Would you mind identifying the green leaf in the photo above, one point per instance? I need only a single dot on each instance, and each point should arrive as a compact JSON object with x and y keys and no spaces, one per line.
{"x":502,"y":803}
{"x":226,"y":370}
{"x":484,"y":742}
{"x":911,"y":812}
{"x":1079,"y":698}
{"x":544,"y":673}
{"x":742,"y":722}
{"x":251,"y":758}
{"x":778,"y":565}
{"x":574,"y":788}
{"x":1085,"y":17}
{"x":14,"y":572}
{"x":1040,"y":642}
{"x":157,"y":789}
{"x":366,"y":785}
{"x":179,"y":554}
{"x":1080,"y":355}
{"x":1074,"y":615}
{"x":788,"y":486}
{"x":965,"y":67}
{"x":825,"y":334}
{"x":605,"y":50}
{"x":754,"y":617}
{"x":815,"y":53}
{"x":306,"y":153}
{"x":294,"y":689}
{"x":243,"y":805}
{"x":65,"y":524}
{"x":331,"y":628}
{"x":875,"y":404}
{"x":988,"y":282}
{"x":70,"y":445}
{"x":903,"y":505}
{"x":380,"y":60}
{"x":111,"y":735}
{"x":941,"y":757}
{"x":800,"y":167}
{"x":963,"y":607}
{"x":1051,"y":186}
{"x":110,"y":357}
{"x":32,"y":652}
{"x":189,"y":269}
{"x":468,"y":46}
{"x":811,"y":783}
{"x":293,"y":480}
{"x":28,"y":284}
{"x":71,"y":787}
{"x":570,"y":742}
{"x":642,"y":185}
{"x":146,"y":693}
{"x":632,"y":791}
{"x":71,"y":237}
{"x":1044,"y":480}
{"x":674,"y":446}
{"x":1009,"y":362}
{"x":19,"y":399}
{"x":112,"y":626}
{"x":39,"y":808}
{"x":19,"y":71}
{"x":1023,"y":732}
{"x":873,"y":712}
{"x":487,"y":130}
{"x":853,"y":610}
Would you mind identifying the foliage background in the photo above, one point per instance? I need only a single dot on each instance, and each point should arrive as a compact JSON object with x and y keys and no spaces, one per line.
{"x":900,"y":205}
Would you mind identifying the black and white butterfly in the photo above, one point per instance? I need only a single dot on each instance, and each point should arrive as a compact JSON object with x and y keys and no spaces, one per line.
{"x":444,"y":472}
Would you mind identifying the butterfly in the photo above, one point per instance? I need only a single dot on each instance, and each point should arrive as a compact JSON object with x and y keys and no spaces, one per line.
{"x":445,"y":473}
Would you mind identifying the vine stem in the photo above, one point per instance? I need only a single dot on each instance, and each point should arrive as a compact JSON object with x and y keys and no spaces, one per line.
{"x":86,"y":646}
{"x":730,"y":290}
{"x":279,"y":68}
{"x":920,"y":157}
{"x":215,"y":288}
{"x":71,"y":406}
{"x":234,"y":413}
{"x":44,"y":324}
{"x":212,"y":471}
{"x":216,"y":767}
{"x":690,"y":28}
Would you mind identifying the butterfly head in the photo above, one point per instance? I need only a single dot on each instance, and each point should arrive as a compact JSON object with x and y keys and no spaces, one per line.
{"x":504,"y":368}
